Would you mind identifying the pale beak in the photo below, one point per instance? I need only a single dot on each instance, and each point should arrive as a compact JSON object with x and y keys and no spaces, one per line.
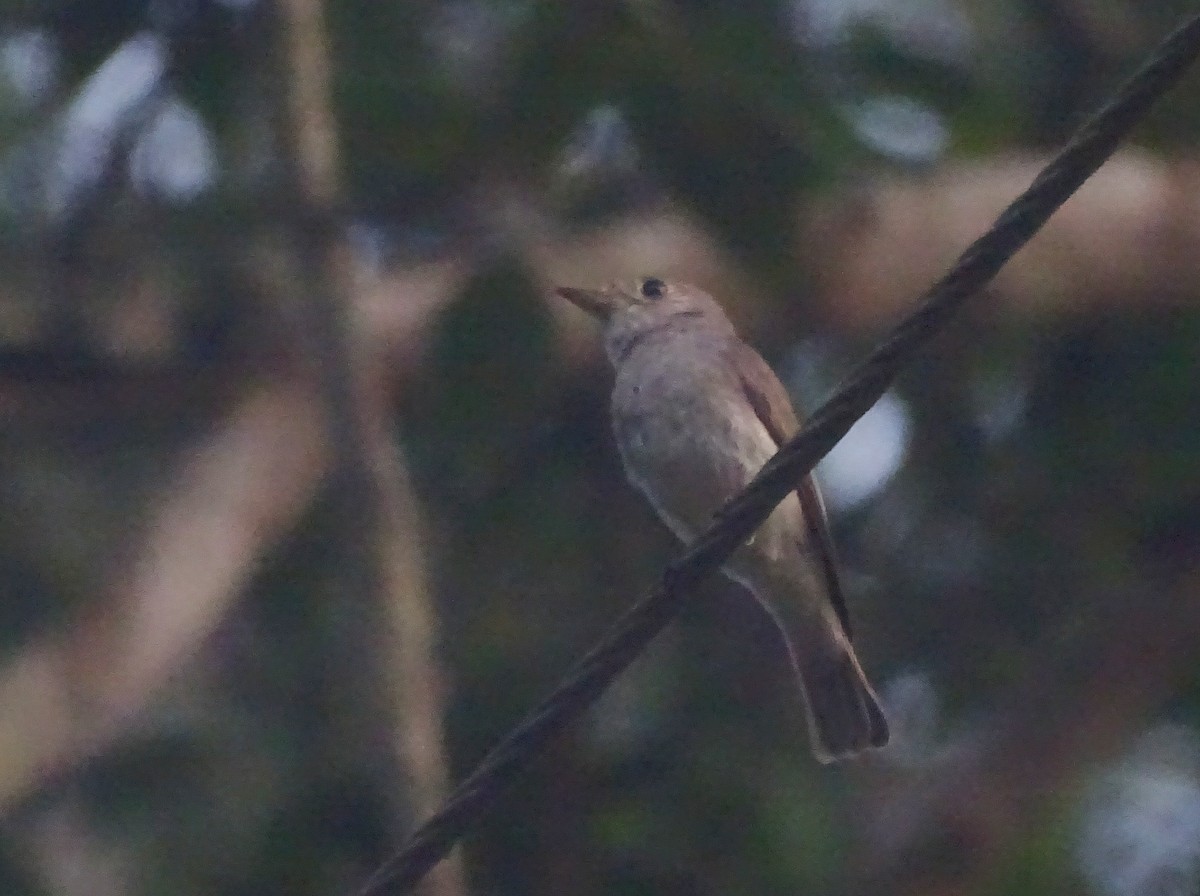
{"x":594,"y":301}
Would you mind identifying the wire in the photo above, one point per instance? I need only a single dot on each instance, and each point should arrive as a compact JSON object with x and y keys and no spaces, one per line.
{"x":1084,"y":153}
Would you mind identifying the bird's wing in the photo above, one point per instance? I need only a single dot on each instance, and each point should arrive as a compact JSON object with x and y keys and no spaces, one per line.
{"x":770,"y":402}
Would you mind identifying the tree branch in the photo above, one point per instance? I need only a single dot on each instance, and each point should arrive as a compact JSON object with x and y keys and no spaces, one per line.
{"x":375,"y":504}
{"x":73,"y":691}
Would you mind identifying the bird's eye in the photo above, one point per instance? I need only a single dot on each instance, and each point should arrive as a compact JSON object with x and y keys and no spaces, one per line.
{"x":653,"y":288}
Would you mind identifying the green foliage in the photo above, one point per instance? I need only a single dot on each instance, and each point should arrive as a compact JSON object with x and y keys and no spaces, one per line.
{"x":269,"y":767}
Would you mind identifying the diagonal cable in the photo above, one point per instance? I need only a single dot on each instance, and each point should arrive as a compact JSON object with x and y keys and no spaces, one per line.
{"x":1084,"y":153}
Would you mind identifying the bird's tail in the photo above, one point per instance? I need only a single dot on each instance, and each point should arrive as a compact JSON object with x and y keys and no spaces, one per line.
{"x":844,"y":717}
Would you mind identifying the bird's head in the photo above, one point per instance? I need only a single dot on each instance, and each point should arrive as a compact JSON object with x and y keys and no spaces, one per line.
{"x":631,"y":311}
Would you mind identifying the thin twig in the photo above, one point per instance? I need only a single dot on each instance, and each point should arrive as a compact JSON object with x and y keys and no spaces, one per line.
{"x":376,"y":505}
{"x":1086,"y":151}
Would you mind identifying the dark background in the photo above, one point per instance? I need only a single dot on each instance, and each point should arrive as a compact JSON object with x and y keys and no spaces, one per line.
{"x":307,"y":490}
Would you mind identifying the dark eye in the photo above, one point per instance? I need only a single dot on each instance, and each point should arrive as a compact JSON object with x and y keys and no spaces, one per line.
{"x":653,"y":288}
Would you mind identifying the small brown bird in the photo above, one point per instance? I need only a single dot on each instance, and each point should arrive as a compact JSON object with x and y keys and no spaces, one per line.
{"x":697,"y":413}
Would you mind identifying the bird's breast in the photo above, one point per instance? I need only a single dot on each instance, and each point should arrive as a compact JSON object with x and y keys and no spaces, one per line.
{"x":689,"y":440}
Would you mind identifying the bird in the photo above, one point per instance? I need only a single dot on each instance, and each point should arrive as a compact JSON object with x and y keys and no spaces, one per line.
{"x":696,"y":413}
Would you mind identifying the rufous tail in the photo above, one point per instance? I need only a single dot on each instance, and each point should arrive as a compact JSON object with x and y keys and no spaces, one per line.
{"x":844,"y":717}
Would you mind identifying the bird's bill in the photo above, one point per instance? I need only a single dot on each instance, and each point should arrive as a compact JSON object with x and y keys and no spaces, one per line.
{"x":596,"y":302}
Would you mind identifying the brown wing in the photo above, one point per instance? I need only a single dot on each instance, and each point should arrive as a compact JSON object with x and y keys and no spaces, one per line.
{"x":770,"y":402}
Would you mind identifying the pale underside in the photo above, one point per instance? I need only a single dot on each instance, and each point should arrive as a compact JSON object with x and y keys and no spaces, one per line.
{"x":690,"y":440}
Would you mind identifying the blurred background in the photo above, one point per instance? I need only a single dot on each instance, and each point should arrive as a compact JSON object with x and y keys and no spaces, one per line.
{"x":307,"y":490}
